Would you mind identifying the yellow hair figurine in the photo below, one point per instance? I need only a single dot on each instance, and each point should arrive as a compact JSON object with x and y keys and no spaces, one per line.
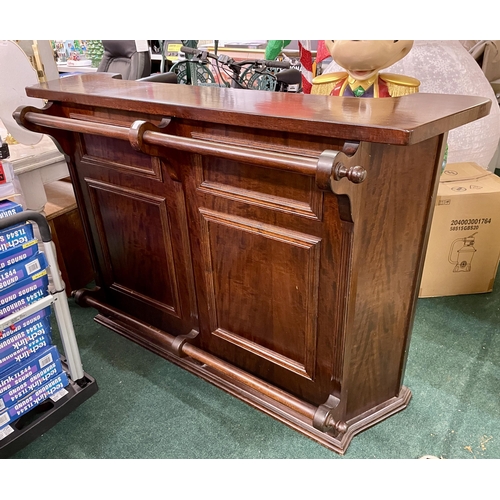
{"x":362,"y":61}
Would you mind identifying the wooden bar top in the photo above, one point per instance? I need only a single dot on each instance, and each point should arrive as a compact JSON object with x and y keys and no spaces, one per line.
{"x":400,"y":121}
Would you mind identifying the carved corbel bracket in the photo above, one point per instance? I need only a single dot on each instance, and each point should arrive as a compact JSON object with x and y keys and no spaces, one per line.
{"x":180,"y":340}
{"x":340,"y":173}
{"x":137,"y":129}
{"x":20,"y":116}
{"x":61,"y":139}
{"x":136,"y":138}
{"x":324,"y":169}
{"x":325,"y":418}
{"x":337,"y":165}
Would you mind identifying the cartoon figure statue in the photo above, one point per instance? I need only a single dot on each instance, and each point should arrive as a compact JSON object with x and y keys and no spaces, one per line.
{"x":362,"y":61}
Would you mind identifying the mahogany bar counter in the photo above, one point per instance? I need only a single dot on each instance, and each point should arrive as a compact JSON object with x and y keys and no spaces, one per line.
{"x":270,"y":243}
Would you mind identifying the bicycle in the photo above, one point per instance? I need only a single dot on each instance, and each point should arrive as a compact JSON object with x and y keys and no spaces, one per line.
{"x":207,"y":69}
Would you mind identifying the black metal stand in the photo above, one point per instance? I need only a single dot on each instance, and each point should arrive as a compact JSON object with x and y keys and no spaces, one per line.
{"x":47,"y":414}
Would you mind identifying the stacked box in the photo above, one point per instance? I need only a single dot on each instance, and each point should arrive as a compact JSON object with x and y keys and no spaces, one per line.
{"x":20,"y":381}
{"x":8,"y":208}
{"x":49,"y":389}
{"x":18,"y":253}
{"x":16,"y":348}
{"x":28,"y":291}
{"x":30,"y":365}
{"x":25,"y":322}
{"x":15,"y":236}
{"x":20,"y":271}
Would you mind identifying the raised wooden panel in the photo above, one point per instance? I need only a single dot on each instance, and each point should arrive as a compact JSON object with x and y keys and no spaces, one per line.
{"x":263,"y":187}
{"x":263,"y":292}
{"x":278,"y":141}
{"x":119,"y":155}
{"x":135,"y":238}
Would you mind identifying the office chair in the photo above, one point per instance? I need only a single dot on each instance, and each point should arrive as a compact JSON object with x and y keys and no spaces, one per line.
{"x":121,"y":56}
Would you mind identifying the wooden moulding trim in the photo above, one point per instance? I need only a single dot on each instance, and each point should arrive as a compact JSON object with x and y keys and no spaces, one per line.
{"x":146,"y":133}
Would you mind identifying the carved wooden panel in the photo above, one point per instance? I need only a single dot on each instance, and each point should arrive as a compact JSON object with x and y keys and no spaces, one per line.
{"x":136,"y":259}
{"x":116,"y":154}
{"x":261,"y":186}
{"x":264,"y":291}
{"x":268,"y":269}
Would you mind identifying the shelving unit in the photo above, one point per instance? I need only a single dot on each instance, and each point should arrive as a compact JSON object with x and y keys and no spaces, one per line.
{"x":81,"y":385}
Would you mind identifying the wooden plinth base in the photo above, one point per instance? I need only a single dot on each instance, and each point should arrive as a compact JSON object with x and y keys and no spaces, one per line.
{"x":338,"y":443}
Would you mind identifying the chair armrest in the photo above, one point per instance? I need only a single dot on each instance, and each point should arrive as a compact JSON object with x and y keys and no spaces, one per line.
{"x":160,"y":77}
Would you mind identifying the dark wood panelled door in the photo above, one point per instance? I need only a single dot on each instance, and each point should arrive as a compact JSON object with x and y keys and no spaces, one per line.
{"x":139,"y":232}
{"x":268,"y":272}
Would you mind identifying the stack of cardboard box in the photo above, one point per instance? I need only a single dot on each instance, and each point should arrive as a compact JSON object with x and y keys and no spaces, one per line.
{"x":30,"y":366}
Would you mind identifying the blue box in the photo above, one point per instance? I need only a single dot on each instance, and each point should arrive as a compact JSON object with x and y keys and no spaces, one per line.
{"x":18,"y":254}
{"x":29,"y":333}
{"x":30,"y":290}
{"x":12,"y":233}
{"x":21,"y":381}
{"x":16,"y":348}
{"x":15,"y":411}
{"x":8,"y":208}
{"x":14,"y":275}
{"x":14,"y":236}
{"x":25,"y":322}
{"x":18,"y":356}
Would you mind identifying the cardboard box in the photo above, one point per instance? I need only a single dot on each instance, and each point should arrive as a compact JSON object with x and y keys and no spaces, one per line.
{"x":50,"y":389}
{"x":8,"y":208}
{"x":22,"y":380}
{"x":14,"y":236}
{"x":24,"y":323}
{"x":18,"y":348}
{"x":14,"y":275}
{"x":29,"y":290}
{"x":464,"y":242}
{"x":17,"y":254}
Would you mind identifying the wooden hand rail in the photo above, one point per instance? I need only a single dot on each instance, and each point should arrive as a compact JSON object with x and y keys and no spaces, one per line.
{"x":149,"y":134}
{"x":84,"y":127}
{"x":325,"y":168}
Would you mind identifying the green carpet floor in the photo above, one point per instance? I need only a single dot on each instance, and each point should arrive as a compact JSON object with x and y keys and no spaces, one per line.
{"x":147,"y":407}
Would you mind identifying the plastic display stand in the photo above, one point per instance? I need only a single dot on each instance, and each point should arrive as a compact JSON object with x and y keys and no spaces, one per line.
{"x":81,"y":386}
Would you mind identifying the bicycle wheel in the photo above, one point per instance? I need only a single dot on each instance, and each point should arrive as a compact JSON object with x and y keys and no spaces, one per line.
{"x":193,"y":73}
{"x":258,"y":80}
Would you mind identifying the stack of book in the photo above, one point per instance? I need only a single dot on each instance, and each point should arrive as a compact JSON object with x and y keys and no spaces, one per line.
{"x":30,"y":365}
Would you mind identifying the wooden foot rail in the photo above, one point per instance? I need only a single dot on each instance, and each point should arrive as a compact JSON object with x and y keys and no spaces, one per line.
{"x":84,"y":298}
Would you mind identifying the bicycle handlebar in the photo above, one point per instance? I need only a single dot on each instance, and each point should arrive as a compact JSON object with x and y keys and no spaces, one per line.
{"x":229,"y":61}
{"x":276,"y":64}
{"x":189,"y":50}
{"x":265,"y":62}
